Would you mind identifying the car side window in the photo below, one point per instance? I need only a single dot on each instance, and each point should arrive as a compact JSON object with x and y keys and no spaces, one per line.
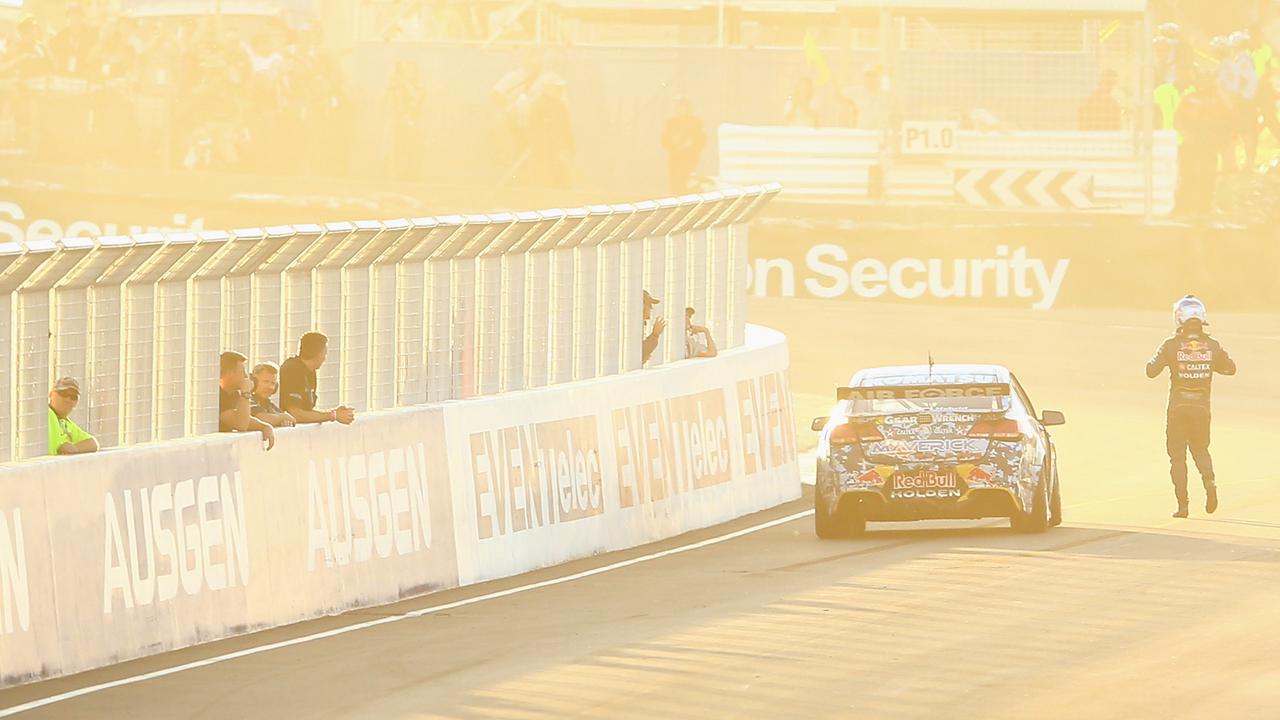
{"x":1022,"y":397}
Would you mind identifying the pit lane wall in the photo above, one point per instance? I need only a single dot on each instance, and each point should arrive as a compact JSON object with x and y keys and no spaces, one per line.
{"x":138,"y":551}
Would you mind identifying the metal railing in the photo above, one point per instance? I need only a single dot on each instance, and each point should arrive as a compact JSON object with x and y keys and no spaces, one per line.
{"x":416,"y":311}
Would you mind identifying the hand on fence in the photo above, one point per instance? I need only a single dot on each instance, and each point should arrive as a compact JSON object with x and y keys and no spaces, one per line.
{"x":345,"y":415}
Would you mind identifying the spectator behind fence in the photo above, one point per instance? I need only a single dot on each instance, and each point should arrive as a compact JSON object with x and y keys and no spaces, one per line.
{"x":66,"y":437}
{"x":698,"y":342}
{"x":265,"y":376}
{"x":798,"y":110}
{"x":1100,"y":111}
{"x":298,"y":383}
{"x":234,"y":391}
{"x":72,"y":48}
{"x":870,"y":100}
{"x":652,"y":334}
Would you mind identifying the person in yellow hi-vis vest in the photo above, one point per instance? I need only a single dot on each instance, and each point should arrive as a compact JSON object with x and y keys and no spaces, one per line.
{"x":1168,"y":97}
{"x":1265,"y":60}
{"x":1175,"y":80}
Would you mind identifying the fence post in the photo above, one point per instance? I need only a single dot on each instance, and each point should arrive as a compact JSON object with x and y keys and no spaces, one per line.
{"x":121,"y":257}
{"x":414,"y":318}
{"x":439,"y":364}
{"x":383,"y":328}
{"x":270,"y":298}
{"x":17,"y":262}
{"x":675,"y":293}
{"x":237,"y":291}
{"x":340,"y":242}
{"x":137,"y":396}
{"x":462,"y":307}
{"x":208,"y":319}
{"x":564,"y":290}
{"x":496,"y":323}
{"x":634,"y":267}
{"x":586,"y":311}
{"x":720,"y":261}
{"x":612,"y":290}
{"x":515,"y":302}
{"x":538,"y":308}
{"x":477,"y":343}
{"x":176,"y":305}
{"x":701,"y":282}
{"x":370,"y":240}
{"x":36,"y":332}
{"x":448,"y":308}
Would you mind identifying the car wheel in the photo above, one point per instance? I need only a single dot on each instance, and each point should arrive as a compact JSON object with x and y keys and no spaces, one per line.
{"x":828,"y":524}
{"x":1036,"y":521}
{"x":1055,"y":502}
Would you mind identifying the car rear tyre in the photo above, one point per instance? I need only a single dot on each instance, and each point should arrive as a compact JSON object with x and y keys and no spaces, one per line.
{"x":827,"y":524}
{"x":1055,"y":502}
{"x":1036,"y":521}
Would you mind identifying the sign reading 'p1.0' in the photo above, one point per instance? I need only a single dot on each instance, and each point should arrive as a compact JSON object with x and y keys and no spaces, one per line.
{"x":921,"y":392}
{"x":920,"y":137}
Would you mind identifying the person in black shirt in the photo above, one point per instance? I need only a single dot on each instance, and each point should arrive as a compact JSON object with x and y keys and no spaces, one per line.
{"x":298,"y":383}
{"x":1192,"y":358}
{"x":235,"y":389}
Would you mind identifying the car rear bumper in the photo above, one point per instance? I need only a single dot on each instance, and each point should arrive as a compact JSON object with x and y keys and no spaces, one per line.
{"x":974,"y":503}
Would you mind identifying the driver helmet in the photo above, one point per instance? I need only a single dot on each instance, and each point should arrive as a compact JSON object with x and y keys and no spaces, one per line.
{"x":1188,"y":308}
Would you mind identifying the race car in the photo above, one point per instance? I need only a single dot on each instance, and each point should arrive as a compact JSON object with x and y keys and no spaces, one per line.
{"x":935,"y":442}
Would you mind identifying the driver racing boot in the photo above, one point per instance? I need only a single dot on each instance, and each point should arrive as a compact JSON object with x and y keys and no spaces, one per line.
{"x":1182,"y":509}
{"x":1211,"y":499}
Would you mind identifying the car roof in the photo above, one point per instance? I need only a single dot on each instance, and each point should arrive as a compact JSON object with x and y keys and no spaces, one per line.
{"x":940,"y":371}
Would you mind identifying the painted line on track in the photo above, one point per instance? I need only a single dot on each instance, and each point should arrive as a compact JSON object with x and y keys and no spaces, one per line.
{"x":421,"y":612}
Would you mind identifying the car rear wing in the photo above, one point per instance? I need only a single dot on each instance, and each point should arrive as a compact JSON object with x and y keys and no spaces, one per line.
{"x":922,"y":392}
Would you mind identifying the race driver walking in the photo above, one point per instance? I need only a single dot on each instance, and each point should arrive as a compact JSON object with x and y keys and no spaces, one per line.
{"x":1192,"y":358}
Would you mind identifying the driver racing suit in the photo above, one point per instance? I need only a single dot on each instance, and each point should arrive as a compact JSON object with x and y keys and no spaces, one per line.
{"x":1192,"y":358}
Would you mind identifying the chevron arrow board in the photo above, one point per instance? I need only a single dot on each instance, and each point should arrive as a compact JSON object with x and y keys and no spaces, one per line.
{"x":1024,"y":188}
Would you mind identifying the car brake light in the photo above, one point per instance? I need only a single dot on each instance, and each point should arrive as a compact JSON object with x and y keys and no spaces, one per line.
{"x":996,"y":430}
{"x":855,"y":432}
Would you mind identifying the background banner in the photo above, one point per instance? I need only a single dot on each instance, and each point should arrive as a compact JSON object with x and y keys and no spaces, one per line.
{"x":563,"y":472}
{"x":1043,"y":267}
{"x":131,"y":552}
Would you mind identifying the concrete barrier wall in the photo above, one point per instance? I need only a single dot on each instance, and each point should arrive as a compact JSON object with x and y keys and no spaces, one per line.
{"x":546,"y":476}
{"x":133,"y":552}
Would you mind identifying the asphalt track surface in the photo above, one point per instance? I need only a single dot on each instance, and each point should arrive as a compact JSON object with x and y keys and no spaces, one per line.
{"x":1123,"y":612}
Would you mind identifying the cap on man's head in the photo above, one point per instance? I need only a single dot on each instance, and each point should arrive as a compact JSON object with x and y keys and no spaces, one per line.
{"x":67,"y":384}
{"x":649,"y":299}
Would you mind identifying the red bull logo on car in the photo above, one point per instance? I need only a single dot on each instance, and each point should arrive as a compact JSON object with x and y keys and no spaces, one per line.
{"x":925,"y":484}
